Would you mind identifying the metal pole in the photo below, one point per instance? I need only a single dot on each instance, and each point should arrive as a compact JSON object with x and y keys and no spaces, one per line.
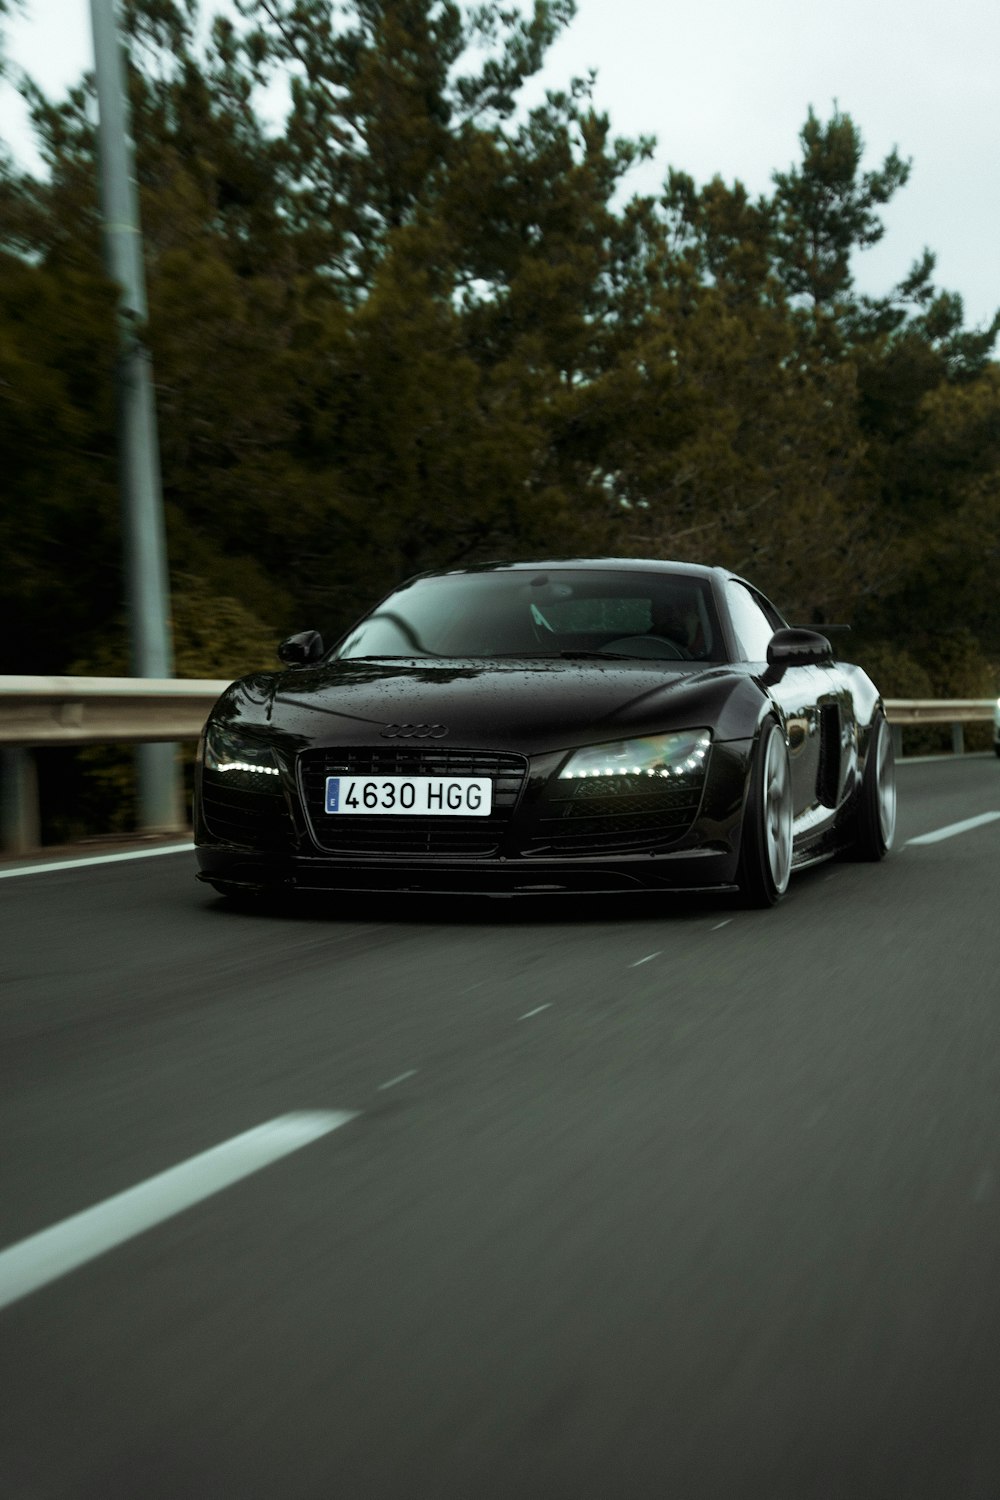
{"x":147,"y":583}
{"x":19,"y":819}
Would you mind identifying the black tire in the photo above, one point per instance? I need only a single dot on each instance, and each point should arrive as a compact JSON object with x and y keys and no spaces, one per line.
{"x":765,"y":861}
{"x":874,"y":827}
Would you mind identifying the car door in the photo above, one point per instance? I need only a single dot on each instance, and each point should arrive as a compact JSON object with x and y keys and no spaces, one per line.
{"x":808,"y":702}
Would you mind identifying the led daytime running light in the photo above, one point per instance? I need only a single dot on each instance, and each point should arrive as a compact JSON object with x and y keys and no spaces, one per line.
{"x":660,"y":756}
{"x":243,"y":765}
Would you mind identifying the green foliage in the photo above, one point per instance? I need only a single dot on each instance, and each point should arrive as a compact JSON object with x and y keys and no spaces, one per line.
{"x":215,"y":637}
{"x":826,"y":208}
{"x":58,"y":521}
{"x":898,"y":673}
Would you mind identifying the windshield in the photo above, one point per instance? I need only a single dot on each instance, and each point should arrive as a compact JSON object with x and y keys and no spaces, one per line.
{"x":660,"y":616}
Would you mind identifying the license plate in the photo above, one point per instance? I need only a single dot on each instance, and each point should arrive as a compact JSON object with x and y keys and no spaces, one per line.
{"x":413,"y":796}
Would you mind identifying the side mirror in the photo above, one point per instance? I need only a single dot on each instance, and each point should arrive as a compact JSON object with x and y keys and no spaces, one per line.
{"x":796,"y":648}
{"x":301,"y":650}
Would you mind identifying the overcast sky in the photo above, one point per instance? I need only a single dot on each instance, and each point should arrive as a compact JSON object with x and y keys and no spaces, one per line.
{"x":725,"y":86}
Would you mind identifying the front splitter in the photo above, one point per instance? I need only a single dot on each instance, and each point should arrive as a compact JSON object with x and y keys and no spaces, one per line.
{"x":685,"y":871}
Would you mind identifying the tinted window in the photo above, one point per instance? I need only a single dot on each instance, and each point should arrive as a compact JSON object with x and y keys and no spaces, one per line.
{"x":754,"y":620}
{"x":607,"y":612}
{"x":507,"y":613}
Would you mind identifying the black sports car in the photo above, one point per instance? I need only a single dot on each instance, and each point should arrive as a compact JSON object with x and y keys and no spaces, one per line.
{"x":588,"y":725}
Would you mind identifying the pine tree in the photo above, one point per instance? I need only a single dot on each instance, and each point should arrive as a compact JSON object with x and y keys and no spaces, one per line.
{"x":825,"y":209}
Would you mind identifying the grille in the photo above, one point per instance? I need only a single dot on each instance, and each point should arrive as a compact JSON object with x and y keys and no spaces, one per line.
{"x":417,"y":836}
{"x":257,"y":820}
{"x":623,"y":816}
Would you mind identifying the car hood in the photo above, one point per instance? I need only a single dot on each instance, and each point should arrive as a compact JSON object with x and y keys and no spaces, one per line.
{"x":528,"y":705}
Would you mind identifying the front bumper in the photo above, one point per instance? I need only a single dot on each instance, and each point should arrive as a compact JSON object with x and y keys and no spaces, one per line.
{"x":538,"y":844}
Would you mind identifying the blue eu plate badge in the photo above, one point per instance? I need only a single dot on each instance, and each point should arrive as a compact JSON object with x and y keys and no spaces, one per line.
{"x":333,"y":794}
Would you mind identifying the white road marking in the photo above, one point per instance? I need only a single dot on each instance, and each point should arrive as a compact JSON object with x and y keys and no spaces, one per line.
{"x":645,"y":960}
{"x":43,"y":1257}
{"x":954,"y":829}
{"x":94,"y":859}
{"x":400,"y":1078}
{"x":719,"y":925}
{"x":537,"y":1011}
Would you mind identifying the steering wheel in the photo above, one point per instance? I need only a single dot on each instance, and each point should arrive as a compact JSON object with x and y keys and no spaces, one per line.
{"x":658,"y":647}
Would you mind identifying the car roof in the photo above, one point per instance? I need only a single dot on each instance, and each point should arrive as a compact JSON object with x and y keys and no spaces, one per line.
{"x":587,"y":564}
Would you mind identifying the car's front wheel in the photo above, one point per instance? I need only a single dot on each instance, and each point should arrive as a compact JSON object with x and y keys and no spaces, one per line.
{"x":765,"y":861}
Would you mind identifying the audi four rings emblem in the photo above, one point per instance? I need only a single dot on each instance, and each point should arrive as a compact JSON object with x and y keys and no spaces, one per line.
{"x":414,"y":731}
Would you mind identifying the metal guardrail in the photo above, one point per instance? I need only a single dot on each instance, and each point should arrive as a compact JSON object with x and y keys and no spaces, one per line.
{"x":40,"y":711}
{"x":957,"y":712}
{"x":938,"y":710}
{"x":103,"y":710}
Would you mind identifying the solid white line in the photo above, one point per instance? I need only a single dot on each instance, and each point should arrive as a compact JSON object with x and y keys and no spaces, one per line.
{"x":645,"y":960}
{"x":536,"y":1012}
{"x":94,"y":859}
{"x":955,"y":828}
{"x":34,"y":1262}
{"x":400,"y":1078}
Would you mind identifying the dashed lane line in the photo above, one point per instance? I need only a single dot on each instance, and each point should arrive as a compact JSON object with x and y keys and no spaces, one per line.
{"x":953,"y":829}
{"x":399,"y":1078}
{"x":43,"y":1257}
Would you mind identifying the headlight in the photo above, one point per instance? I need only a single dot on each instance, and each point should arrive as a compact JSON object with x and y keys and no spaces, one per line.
{"x":660,"y":755}
{"x":248,"y":763}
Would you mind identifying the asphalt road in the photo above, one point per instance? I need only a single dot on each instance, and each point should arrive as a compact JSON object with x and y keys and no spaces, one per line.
{"x":636,"y":1198}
